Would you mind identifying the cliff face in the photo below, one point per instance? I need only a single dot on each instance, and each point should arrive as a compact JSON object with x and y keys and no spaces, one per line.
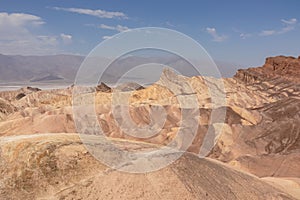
{"x":272,"y":146}
{"x":247,"y":76}
{"x":283,"y":64}
{"x":287,"y":68}
{"x":5,"y":109}
{"x":260,"y":133}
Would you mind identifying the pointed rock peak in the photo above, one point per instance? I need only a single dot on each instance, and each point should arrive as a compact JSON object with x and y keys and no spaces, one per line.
{"x":130,"y":86}
{"x":103,"y":88}
{"x":169,"y":74}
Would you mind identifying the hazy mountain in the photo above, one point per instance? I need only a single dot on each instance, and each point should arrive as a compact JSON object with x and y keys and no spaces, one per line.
{"x":38,"y":68}
{"x":63,"y":68}
{"x":259,"y":135}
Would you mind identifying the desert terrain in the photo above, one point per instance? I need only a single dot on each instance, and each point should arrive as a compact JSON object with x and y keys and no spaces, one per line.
{"x":254,"y":154}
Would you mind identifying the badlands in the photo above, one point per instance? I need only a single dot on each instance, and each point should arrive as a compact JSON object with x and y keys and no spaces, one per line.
{"x":246,"y":143}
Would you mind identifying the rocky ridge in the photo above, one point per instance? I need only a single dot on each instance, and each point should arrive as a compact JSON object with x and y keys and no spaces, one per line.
{"x":259,"y":133}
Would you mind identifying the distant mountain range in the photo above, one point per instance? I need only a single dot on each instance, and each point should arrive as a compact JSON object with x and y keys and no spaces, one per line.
{"x":38,"y":68}
{"x":63,"y":68}
{"x":252,"y":126}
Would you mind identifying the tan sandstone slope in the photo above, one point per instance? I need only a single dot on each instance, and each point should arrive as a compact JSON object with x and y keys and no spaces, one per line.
{"x":259,"y":133}
{"x":57,"y":166}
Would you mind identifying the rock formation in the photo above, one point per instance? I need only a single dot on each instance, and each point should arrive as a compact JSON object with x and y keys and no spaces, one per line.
{"x":255,"y":129}
{"x":59,"y":167}
{"x":274,"y":67}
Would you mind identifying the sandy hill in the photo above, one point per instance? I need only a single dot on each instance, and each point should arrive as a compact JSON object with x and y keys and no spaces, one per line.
{"x":57,"y":166}
{"x":255,"y":130}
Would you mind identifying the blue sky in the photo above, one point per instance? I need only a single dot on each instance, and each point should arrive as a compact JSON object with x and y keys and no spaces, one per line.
{"x":242,"y":32}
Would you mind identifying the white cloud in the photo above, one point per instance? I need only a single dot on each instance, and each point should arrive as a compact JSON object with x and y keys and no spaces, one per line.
{"x":242,"y":34}
{"x":19,"y":19}
{"x":118,"y":28}
{"x":215,"y":35}
{"x":67,"y":39}
{"x":245,"y":35}
{"x":267,"y":32}
{"x":95,"y":13}
{"x":288,"y":25}
{"x":106,"y":37}
{"x":17,"y":35}
{"x":286,"y":29}
{"x":48,"y":40}
{"x":290,"y":21}
{"x":15,"y":25}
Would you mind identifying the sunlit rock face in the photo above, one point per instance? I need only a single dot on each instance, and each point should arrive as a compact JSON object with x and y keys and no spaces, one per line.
{"x":60,"y":167}
{"x":254,"y":128}
{"x":270,"y":146}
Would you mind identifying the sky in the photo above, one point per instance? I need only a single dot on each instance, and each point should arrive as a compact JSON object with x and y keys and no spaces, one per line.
{"x":240,"y":32}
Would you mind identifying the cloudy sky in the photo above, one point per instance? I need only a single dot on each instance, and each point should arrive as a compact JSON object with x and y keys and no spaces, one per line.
{"x":243,"y":32}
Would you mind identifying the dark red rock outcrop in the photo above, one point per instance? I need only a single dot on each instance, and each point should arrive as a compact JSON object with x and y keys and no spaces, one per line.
{"x":103,"y":88}
{"x":287,"y":68}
